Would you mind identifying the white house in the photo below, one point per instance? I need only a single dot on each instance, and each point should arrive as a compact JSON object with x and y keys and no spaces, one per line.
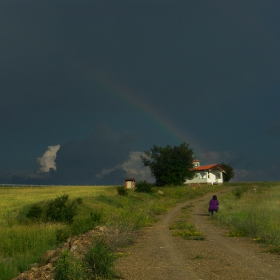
{"x":206,"y":174}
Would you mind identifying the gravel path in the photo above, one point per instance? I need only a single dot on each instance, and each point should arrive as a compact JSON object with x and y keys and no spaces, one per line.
{"x":159,"y":255}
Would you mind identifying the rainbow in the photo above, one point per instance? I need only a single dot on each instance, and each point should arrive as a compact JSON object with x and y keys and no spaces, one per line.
{"x":161,"y":121}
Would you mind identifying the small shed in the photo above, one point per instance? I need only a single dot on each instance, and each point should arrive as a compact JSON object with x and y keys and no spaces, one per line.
{"x":129,"y":183}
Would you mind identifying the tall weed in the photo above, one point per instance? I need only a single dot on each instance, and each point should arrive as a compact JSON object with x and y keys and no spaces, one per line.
{"x":69,"y":268}
{"x":254,"y":214}
{"x":100,"y":261}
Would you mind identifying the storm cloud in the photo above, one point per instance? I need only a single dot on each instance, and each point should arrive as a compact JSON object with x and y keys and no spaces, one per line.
{"x":80,"y":162}
{"x":203,"y":72}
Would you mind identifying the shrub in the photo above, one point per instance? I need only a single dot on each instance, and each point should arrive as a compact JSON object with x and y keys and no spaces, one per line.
{"x":84,"y":225}
{"x":58,"y":210}
{"x":79,"y":200}
{"x":122,"y":190}
{"x":35,"y":212}
{"x":96,"y":218}
{"x":143,"y":186}
{"x":67,"y":267}
{"x":117,"y":236}
{"x":62,"y":234}
{"x":237,"y":192}
{"x":100,"y":261}
{"x":61,"y":210}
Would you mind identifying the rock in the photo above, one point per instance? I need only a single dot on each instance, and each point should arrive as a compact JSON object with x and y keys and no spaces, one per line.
{"x":47,"y":256}
{"x":34,"y":265}
{"x":100,"y":228}
{"x":77,"y":245}
{"x":53,"y":260}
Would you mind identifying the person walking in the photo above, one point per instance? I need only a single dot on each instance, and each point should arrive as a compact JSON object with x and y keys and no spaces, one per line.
{"x":213,"y":205}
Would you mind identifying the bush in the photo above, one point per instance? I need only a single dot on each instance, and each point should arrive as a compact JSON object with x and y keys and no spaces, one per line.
{"x":122,"y":191}
{"x":62,"y":234}
{"x":100,"y":261}
{"x":68,"y":268}
{"x":58,"y":210}
{"x":143,"y":186}
{"x":35,"y":212}
{"x":96,"y":218}
{"x":237,"y":192}
{"x":61,"y":210}
{"x":79,"y":200}
{"x":84,"y":225}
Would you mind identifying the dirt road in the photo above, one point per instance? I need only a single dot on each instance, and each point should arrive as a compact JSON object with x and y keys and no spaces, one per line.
{"x":159,"y":255}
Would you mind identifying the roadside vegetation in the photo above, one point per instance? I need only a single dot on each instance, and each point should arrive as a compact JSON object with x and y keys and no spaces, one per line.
{"x":33,"y":220}
{"x":253,"y":210}
{"x":182,"y":227}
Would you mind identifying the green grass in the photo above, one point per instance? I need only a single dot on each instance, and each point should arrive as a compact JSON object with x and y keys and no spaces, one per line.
{"x":22,"y":242}
{"x":184,"y":228}
{"x":253,"y":210}
{"x":67,"y":267}
{"x":197,"y":257}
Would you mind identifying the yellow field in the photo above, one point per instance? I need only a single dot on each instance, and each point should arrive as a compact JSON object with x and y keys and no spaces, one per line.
{"x":14,"y":198}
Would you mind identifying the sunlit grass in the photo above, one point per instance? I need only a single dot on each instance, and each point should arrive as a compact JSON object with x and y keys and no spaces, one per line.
{"x":186,"y":230}
{"x":253,"y":210}
{"x":14,"y":198}
{"x":22,"y":242}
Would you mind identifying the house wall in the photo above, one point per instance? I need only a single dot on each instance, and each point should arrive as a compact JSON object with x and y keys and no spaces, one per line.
{"x":196,"y":180}
{"x":214,"y":176}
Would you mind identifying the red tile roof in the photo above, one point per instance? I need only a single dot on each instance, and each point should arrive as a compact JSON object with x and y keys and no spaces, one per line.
{"x":207,"y":167}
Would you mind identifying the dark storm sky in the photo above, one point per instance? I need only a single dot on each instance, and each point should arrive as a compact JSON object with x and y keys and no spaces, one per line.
{"x":95,"y":83}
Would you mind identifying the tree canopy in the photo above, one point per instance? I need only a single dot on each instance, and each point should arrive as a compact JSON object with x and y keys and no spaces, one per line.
{"x":229,"y":171}
{"x":170,"y":165}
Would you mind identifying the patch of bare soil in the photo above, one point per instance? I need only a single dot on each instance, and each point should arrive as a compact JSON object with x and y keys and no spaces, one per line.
{"x":159,"y":255}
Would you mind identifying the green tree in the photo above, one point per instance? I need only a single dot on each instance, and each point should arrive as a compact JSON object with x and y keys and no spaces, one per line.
{"x":170,"y":165}
{"x":229,"y":171}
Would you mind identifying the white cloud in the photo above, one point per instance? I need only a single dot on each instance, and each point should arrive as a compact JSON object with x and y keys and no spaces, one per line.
{"x":47,"y":161}
{"x":133,"y":167}
{"x":107,"y":171}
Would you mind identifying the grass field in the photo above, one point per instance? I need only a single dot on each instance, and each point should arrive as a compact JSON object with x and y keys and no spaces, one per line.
{"x":23,"y":242}
{"x":253,"y":210}
{"x":20,"y":243}
{"x":14,"y":198}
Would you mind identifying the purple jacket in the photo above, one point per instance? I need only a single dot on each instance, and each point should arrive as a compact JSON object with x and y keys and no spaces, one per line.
{"x":213,"y":205}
